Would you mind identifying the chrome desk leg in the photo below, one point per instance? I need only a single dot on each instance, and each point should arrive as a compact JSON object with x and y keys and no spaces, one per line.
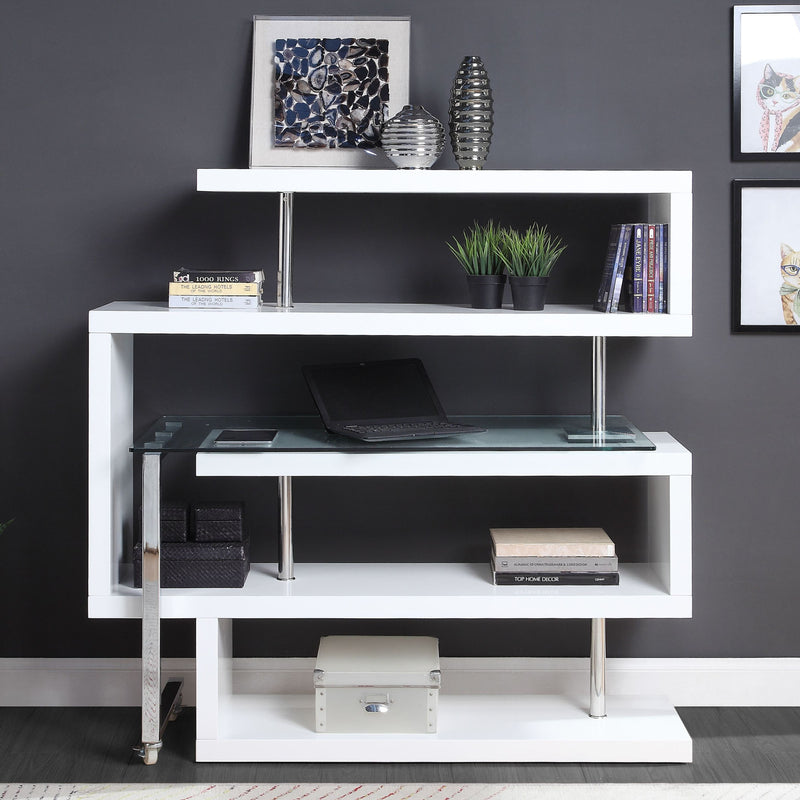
{"x":157,"y":708}
{"x":597,"y":669}
{"x":598,"y":385}
{"x":151,"y":606}
{"x":285,"y":250}
{"x":286,"y":563}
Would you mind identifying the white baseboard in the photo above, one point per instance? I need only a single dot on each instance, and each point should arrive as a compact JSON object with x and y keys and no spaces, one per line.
{"x":685,"y":681}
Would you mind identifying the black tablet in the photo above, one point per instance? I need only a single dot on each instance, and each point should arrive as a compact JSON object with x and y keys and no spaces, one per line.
{"x":245,"y":437}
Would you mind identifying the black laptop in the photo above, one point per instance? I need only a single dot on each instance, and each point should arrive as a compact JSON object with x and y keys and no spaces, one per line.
{"x":380,"y":401}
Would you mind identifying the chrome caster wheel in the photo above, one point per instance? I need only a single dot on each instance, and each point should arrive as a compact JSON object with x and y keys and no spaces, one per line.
{"x":148,"y":752}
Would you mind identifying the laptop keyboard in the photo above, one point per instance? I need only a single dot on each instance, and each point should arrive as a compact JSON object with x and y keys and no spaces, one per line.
{"x":403,"y":427}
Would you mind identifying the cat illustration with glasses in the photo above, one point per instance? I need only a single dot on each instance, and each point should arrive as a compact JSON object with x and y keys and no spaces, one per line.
{"x":790,"y":288}
{"x":778,"y":94}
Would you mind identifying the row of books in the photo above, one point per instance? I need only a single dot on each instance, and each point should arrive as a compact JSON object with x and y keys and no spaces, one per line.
{"x":636,"y":270}
{"x":551,"y":556}
{"x":216,"y":289}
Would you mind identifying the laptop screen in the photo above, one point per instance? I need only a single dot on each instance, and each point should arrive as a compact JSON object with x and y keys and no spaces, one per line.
{"x":377,"y":390}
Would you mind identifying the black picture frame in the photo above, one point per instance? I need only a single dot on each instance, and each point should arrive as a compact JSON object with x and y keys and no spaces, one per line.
{"x":757,"y":30}
{"x":765,"y":219}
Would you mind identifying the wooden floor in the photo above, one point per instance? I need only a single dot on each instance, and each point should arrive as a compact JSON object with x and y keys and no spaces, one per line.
{"x":93,"y":745}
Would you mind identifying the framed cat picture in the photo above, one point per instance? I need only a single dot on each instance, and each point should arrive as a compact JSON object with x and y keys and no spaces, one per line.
{"x":766,"y":264}
{"x":766,"y":83}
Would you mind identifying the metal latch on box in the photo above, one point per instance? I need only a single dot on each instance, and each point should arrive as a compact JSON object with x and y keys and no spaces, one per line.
{"x":376,"y":703}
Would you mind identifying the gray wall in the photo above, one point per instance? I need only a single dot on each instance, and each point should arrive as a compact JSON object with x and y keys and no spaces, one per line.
{"x":107,"y":111}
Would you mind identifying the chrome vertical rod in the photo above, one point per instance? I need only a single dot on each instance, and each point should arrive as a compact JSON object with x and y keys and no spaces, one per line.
{"x":597,"y":669}
{"x":151,"y":598}
{"x":285,"y":250}
{"x":598,"y":385}
{"x":286,"y":562}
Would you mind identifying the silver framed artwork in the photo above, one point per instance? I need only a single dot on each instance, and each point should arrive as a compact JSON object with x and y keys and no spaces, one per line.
{"x":766,"y":264}
{"x":323,"y":87}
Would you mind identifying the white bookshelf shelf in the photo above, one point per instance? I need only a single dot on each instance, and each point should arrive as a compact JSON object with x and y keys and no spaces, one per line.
{"x":318,"y":180}
{"x":479,"y":728}
{"x":382,"y":319}
{"x":408,"y":591}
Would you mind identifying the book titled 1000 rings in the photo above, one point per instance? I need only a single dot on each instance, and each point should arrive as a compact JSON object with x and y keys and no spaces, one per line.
{"x":216,"y":289}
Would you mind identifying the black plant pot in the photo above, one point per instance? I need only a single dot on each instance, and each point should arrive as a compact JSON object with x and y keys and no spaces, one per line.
{"x":486,"y":291}
{"x":528,"y":292}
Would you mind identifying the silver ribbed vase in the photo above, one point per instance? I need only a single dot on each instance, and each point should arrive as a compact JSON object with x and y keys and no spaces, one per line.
{"x":413,"y":138}
{"x":471,"y":114}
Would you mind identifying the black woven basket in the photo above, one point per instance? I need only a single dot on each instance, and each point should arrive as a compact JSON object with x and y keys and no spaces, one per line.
{"x":218,"y":522}
{"x":199,"y":565}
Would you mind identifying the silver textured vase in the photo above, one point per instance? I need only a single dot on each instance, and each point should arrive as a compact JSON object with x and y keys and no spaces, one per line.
{"x":413,"y":138}
{"x":471,"y":114}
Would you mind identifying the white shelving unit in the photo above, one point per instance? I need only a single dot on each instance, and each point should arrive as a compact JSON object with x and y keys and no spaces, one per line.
{"x":234,"y":726}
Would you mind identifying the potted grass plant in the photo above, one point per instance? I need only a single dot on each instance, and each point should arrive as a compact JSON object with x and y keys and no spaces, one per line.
{"x":477,"y":253}
{"x":529,"y":258}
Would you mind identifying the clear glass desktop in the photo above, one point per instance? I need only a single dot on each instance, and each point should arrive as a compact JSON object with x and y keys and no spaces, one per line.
{"x":306,"y":434}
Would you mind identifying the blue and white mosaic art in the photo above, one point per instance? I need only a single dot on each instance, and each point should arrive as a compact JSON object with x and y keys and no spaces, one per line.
{"x":330,"y":92}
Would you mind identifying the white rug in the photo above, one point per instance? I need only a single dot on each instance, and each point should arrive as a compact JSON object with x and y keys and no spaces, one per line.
{"x":400,"y":791}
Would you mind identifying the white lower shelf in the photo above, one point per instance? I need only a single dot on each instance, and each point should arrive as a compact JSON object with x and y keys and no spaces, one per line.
{"x":482,"y":728}
{"x":405,"y":591}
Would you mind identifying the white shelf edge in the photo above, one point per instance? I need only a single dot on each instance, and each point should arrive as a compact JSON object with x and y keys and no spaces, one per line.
{"x":480,"y":728}
{"x":489,"y":181}
{"x":403,"y":591}
{"x":669,"y":458}
{"x":382,"y":319}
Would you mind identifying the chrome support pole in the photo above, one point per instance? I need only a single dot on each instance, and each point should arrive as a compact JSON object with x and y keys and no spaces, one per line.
{"x":158,"y":707}
{"x":286,"y":563}
{"x":285,"y":250}
{"x":597,"y":669}
{"x":598,"y":385}
{"x":151,"y":600}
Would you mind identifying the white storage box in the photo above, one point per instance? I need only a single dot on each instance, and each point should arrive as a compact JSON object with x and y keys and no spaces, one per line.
{"x":377,"y":684}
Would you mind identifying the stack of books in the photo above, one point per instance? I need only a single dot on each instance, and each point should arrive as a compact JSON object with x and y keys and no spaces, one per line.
{"x":636,"y":270}
{"x":226,"y":289}
{"x":547,"y":556}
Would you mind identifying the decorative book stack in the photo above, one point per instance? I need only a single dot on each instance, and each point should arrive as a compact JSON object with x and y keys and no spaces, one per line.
{"x":546,"y":556}
{"x":636,"y":270}
{"x":226,"y":289}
